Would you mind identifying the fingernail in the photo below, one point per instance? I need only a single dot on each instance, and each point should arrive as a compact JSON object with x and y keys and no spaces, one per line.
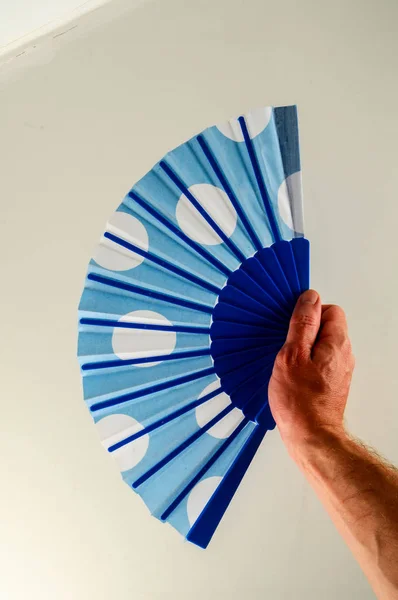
{"x":309,"y":297}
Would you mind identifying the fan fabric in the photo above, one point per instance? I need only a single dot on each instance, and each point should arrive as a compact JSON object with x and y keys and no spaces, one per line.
{"x":186,"y":303}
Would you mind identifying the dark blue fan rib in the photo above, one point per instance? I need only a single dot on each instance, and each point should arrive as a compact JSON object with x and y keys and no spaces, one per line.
{"x":182,"y":447}
{"x":235,"y":315}
{"x":158,"y":387}
{"x":258,"y":399}
{"x":163,"y":263}
{"x":285,"y":256}
{"x":243,"y":281}
{"x":247,"y":453}
{"x":129,"y":287}
{"x":250,"y":395}
{"x":149,"y":326}
{"x":223,"y":330}
{"x":270,"y":263}
{"x":108,"y":364}
{"x":243,"y":359}
{"x":264,"y":417}
{"x":260,"y":181}
{"x":301,"y":251}
{"x":236,"y":297}
{"x":228,"y":190}
{"x":254,"y":293}
{"x":177,"y":232}
{"x":203,"y":470}
{"x":167,"y":419}
{"x":219,"y":348}
{"x":235,"y":382}
{"x":203,"y":529}
{"x":182,"y":187}
{"x":242,"y":386}
{"x":255,"y":269}
{"x":218,"y":453}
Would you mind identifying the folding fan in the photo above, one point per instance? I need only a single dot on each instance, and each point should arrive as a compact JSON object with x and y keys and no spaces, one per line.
{"x":186,"y":303}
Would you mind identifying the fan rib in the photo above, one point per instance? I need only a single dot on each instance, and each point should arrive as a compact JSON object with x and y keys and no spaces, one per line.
{"x":167,"y":419}
{"x":182,"y":187}
{"x":260,"y":356}
{"x":301,"y":252}
{"x":260,"y":181}
{"x":108,"y":364}
{"x":274,"y":340}
{"x":149,"y":326}
{"x":218,"y":345}
{"x":194,"y":245}
{"x":246,"y":381}
{"x":273,"y":304}
{"x":225,"y":326}
{"x":270,"y":282}
{"x":203,"y":529}
{"x":203,"y":470}
{"x":285,"y":256}
{"x":129,"y":287}
{"x":274,"y":325}
{"x":164,"y":385}
{"x":258,"y":308}
{"x":270,"y":263}
{"x":188,"y":442}
{"x":260,"y":347}
{"x":255,"y":394}
{"x":163,"y":263}
{"x":228,"y":190}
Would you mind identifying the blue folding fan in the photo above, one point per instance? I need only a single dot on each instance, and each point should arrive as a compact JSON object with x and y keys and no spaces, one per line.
{"x":186,"y":303}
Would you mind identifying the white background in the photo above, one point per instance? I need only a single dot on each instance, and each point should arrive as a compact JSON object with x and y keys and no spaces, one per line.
{"x":23,"y":18}
{"x":81,"y":119}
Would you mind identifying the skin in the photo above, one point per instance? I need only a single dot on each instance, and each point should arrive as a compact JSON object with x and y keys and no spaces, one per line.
{"x":308,"y":394}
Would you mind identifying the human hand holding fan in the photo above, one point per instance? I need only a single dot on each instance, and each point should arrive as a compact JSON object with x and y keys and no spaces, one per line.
{"x":186,"y":303}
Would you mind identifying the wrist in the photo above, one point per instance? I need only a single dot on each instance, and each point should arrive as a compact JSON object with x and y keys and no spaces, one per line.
{"x":306,"y":449}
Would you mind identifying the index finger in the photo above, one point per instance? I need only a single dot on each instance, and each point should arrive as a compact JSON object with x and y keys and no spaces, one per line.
{"x":333,"y":324}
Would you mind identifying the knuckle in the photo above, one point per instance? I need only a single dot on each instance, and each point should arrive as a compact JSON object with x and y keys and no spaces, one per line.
{"x":343,"y":344}
{"x":346,"y":350}
{"x":337,"y":311}
{"x":351,"y":362}
{"x":325,"y":384}
{"x":304,"y":320}
{"x":281,"y":357}
{"x":334,"y":370}
{"x":328,"y":348}
{"x":290,"y":355}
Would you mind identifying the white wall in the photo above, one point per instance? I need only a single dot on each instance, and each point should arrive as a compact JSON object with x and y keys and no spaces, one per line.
{"x":21,"y":19}
{"x":81,"y":120}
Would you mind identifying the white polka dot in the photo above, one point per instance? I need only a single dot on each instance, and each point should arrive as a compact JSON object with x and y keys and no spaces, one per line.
{"x":217,"y":205}
{"x":111,"y":255}
{"x":290,"y":202}
{"x":117,"y":427}
{"x":200,"y":496}
{"x":136,"y":343}
{"x":256,"y":121}
{"x":210,"y":409}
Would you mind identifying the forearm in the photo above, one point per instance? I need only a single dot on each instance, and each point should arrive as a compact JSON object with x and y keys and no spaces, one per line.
{"x":360,"y":493}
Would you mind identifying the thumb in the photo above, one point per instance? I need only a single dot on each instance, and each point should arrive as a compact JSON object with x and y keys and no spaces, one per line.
{"x":305,"y":321}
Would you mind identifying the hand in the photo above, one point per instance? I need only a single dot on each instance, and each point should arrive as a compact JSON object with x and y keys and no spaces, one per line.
{"x":311,"y":378}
